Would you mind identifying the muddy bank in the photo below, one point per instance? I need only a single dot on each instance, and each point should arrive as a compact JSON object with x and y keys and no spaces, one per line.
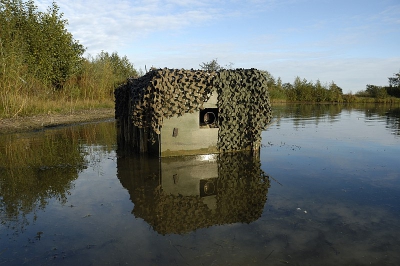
{"x":23,"y":124}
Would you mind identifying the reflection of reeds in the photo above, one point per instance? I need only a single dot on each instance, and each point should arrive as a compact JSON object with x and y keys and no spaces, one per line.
{"x":52,"y":150}
{"x":38,"y":166}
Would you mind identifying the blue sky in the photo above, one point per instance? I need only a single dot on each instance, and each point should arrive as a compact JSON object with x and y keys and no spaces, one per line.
{"x":351,"y":42}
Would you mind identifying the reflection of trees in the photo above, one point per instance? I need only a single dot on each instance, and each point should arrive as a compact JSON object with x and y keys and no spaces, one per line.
{"x":240,"y":192}
{"x":39,"y":166}
{"x":314,"y":112}
{"x":393,"y":120}
{"x":391,"y":115}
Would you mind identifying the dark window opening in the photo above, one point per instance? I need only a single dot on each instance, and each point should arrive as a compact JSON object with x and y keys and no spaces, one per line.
{"x":208,"y":118}
{"x":208,"y":187}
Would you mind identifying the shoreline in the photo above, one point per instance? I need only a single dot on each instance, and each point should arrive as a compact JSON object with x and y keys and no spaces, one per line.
{"x":38,"y":122}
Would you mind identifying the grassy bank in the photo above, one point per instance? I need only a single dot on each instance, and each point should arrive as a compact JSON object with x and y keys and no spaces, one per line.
{"x":23,"y":94}
{"x":14,"y":103}
{"x":25,"y":106}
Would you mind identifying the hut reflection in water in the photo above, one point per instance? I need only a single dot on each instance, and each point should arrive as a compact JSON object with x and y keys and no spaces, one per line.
{"x":177,"y":195}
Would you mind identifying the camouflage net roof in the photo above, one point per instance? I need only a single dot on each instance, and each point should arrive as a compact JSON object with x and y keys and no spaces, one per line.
{"x":243,"y":101}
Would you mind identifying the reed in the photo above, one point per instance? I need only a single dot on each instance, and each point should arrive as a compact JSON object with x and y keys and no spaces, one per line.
{"x":42,"y":69}
{"x":21,"y":94}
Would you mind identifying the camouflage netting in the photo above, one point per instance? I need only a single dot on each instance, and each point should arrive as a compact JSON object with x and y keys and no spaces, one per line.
{"x":243,"y":101}
{"x":244,"y":108}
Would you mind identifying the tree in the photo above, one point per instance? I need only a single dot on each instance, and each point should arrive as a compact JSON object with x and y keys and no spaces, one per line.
{"x":120,"y":66}
{"x":290,"y":91}
{"x":395,"y":81}
{"x":320,"y":93}
{"x":394,"y":86}
{"x":54,"y":49}
{"x":47,"y":48}
{"x":213,"y":65}
{"x":270,"y":79}
{"x":335,"y":92}
{"x":376,"y":91}
{"x":303,"y":89}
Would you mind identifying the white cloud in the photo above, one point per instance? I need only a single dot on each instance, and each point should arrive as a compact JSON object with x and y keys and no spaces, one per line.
{"x":106,"y":25}
{"x":288,"y":38}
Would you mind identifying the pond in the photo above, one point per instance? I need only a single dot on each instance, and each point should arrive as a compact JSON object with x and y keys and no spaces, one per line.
{"x":325,"y":190}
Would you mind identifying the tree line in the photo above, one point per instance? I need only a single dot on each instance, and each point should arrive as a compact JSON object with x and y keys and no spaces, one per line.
{"x":302,"y":90}
{"x":41,"y":63}
{"x":383,"y":92}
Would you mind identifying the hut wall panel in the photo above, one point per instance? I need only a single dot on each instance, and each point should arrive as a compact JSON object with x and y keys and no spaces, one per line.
{"x":191,"y":139}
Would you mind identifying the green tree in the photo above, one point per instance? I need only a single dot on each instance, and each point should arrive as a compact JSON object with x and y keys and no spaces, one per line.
{"x":376,"y":91}
{"x":47,"y":48}
{"x":290,"y":91}
{"x":270,"y":79}
{"x":304,"y":89}
{"x":213,"y":65}
{"x":320,"y":93}
{"x":121,"y":67}
{"x":101,"y":74}
{"x":394,"y":85}
{"x":335,"y":93}
{"x":395,"y":81}
{"x":275,"y":88}
{"x":54,"y":49}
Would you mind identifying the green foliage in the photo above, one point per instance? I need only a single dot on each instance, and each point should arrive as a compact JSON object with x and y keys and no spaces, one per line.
{"x":349,"y":98}
{"x":120,"y":67}
{"x":100,"y":75}
{"x":395,"y":81}
{"x":302,"y":90}
{"x":376,"y":91}
{"x":275,"y":87}
{"x":48,"y":50}
{"x":393,"y":91}
{"x":213,"y":65}
{"x":42,"y":67}
{"x":383,"y":93}
{"x":307,"y":91}
{"x":335,"y":93}
{"x":394,"y":85}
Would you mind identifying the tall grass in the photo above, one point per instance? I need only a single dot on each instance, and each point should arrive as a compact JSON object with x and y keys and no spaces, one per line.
{"x":12,"y":95}
{"x":42,"y":69}
{"x":21,"y":94}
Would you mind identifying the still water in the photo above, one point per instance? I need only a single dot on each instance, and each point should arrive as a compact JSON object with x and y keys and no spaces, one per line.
{"x":324,"y":191}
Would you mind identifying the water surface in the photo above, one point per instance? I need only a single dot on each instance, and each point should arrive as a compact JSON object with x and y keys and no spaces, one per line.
{"x":325,"y":191}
